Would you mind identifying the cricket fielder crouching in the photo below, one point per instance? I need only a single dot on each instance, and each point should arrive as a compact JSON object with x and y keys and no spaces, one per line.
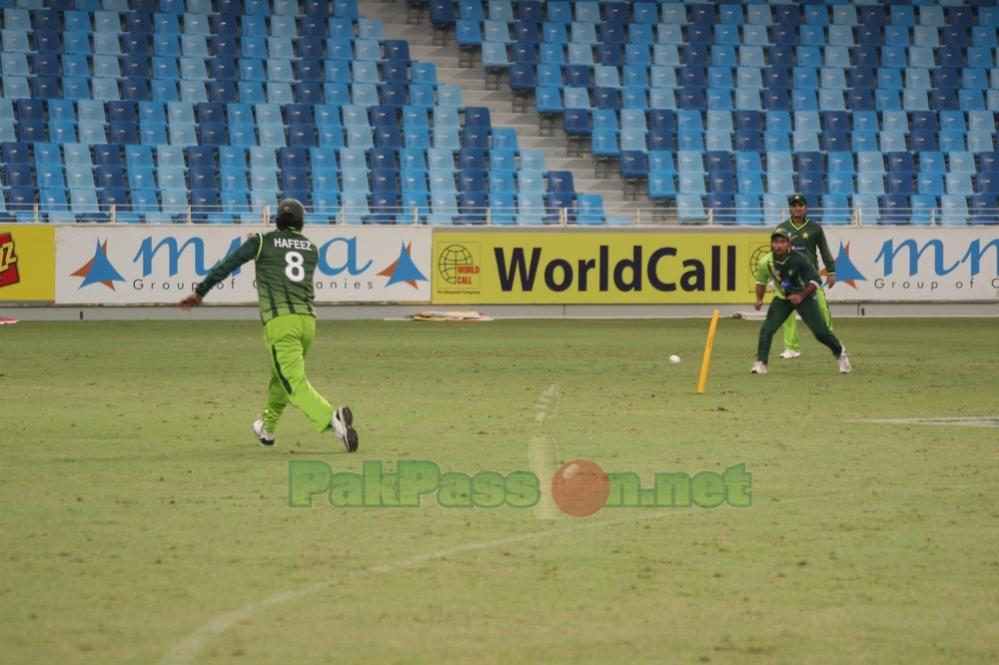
{"x":807,"y":237}
{"x":795,"y":282}
{"x":285,"y":261}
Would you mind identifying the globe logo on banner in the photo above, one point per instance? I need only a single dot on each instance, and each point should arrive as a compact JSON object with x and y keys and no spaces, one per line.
{"x":754,"y":262}
{"x":456,"y":264}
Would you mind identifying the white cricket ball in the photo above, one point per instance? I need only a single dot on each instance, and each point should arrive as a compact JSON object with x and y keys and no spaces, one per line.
{"x":674,"y":359}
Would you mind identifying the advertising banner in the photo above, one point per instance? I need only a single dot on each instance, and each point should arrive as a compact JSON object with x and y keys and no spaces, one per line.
{"x":570,"y":267}
{"x":27,"y":263}
{"x":118,"y":265}
{"x":914,"y":264}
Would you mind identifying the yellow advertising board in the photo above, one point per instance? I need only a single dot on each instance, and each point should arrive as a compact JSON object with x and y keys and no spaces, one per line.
{"x":27,"y":263}
{"x":593,"y":267}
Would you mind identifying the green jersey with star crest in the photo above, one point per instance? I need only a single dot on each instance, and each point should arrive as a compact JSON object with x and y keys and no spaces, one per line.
{"x":789,"y":276}
{"x":763,"y":272}
{"x":810,"y":239}
{"x":285,"y":262}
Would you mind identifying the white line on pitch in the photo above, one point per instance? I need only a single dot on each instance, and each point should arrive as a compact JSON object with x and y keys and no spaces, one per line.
{"x":980,"y":421}
{"x":187,"y":649}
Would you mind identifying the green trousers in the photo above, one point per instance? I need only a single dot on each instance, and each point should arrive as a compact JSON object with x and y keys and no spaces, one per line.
{"x":780,"y":310}
{"x":288,"y":339}
{"x":791,"y":325}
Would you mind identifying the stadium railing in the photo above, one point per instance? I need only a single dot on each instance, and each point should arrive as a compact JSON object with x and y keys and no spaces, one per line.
{"x":515,"y":216}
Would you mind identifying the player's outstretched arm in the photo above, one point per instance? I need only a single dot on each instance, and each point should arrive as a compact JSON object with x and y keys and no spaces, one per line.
{"x":245,"y":252}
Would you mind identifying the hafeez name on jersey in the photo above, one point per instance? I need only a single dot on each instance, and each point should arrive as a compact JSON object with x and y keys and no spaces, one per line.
{"x":292,"y":243}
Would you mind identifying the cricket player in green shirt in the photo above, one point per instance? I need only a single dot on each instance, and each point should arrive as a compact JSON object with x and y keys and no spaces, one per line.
{"x":285,"y":262}
{"x":808,"y":238}
{"x":795,"y":284}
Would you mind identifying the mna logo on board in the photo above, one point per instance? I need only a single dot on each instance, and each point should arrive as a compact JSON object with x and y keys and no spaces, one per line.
{"x":8,"y":261}
{"x":403,"y":269}
{"x":99,"y":270}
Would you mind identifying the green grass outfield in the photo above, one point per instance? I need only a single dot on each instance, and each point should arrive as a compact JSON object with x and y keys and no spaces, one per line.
{"x":142,"y":523}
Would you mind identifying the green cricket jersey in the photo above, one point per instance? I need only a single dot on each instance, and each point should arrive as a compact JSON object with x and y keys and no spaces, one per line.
{"x":789,"y":276}
{"x":763,"y":273}
{"x":810,"y":239}
{"x":285,"y":262}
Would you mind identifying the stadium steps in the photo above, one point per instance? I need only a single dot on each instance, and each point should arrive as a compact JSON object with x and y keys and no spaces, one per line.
{"x":472,"y":81}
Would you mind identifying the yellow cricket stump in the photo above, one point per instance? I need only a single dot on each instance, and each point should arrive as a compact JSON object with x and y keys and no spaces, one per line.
{"x":706,"y":360}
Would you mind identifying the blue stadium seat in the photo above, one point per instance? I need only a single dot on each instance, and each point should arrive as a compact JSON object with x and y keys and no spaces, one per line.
{"x":900,"y":162}
{"x":987,"y":182}
{"x":132,"y":89}
{"x":941,"y":99}
{"x":953,"y":210}
{"x":689,"y":161}
{"x":502,"y":181}
{"x":961,"y":162}
{"x":891,"y":141}
{"x":924,"y":209}
{"x":472,"y":159}
{"x":988,"y":161}
{"x":662,"y":184}
{"x":891,"y":121}
{"x":690,"y":208}
{"x":759,"y":14}
{"x":982,"y":208}
{"x":887,"y":100}
{"x":916,"y":77}
{"x":748,"y":163}
{"x":634,"y":164}
{"x":954,"y":140}
{"x":471,"y":207}
{"x":972,"y":100}
{"x":439,"y":159}
{"x":870,"y":162}
{"x":415,"y":181}
{"x":124,"y":132}
{"x":959,"y":183}
{"x":923,"y":140}
{"x":835,"y":209}
{"x":899,"y":183}
{"x":748,"y":210}
{"x":47,"y":155}
{"x":531,"y":160}
{"x":755,"y":35}
{"x":590,"y":210}
{"x":930,"y":183}
{"x":840,"y":183}
{"x":530,"y":182}
{"x":559,"y":11}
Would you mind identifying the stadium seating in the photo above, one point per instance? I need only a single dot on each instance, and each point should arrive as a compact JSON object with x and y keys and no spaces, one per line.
{"x":854,"y":64}
{"x":212,"y":105}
